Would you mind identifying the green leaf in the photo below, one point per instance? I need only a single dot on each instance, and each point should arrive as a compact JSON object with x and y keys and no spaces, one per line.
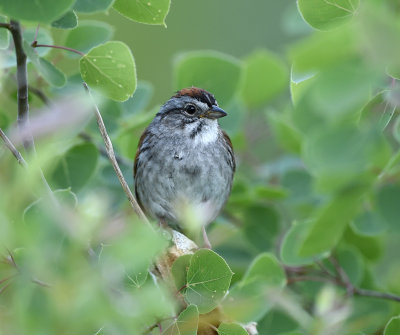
{"x":369,"y":223}
{"x":88,"y":35}
{"x":331,"y":221}
{"x":49,"y":72}
{"x":144,"y":11}
{"x":393,"y":326}
{"x":325,"y":15}
{"x":4,"y":34}
{"x":350,"y":259}
{"x":288,"y":136}
{"x":186,"y":324}
{"x":388,"y":206}
{"x":261,"y":226}
{"x":43,"y":37}
{"x":248,"y":300}
{"x":231,"y":329}
{"x":91,"y":6}
{"x":179,"y":270}
{"x":343,"y":155}
{"x":43,"y":11}
{"x":110,"y":68}
{"x":265,"y":269}
{"x":208,"y":280}
{"x":68,"y":21}
{"x":264,"y":76}
{"x":213,"y":71}
{"x":292,"y":242}
{"x":76,"y":166}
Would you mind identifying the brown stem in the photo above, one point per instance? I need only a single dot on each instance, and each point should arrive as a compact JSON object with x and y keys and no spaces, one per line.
{"x":35,"y":45}
{"x":22,"y":81}
{"x":4,"y":25}
{"x":111,"y":156}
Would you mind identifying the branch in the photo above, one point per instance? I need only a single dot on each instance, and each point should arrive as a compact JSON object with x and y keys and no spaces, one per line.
{"x":22,"y":81}
{"x":340,"y":278}
{"x":111,"y":156}
{"x":13,"y":149}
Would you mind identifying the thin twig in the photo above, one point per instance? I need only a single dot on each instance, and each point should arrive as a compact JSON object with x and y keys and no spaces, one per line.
{"x":111,"y":156}
{"x":295,"y":279}
{"x":342,"y":276}
{"x":35,"y":45}
{"x":13,"y":149}
{"x":376,"y":294}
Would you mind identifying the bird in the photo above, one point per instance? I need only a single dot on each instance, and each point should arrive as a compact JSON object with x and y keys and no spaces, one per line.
{"x":184,"y":158}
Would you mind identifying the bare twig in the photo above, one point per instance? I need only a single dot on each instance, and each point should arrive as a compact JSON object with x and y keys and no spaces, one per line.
{"x":376,"y":294}
{"x":340,"y":278}
{"x":111,"y":156}
{"x":12,"y":148}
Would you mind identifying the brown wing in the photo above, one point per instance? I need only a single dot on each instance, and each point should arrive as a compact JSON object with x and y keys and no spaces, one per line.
{"x":145,"y":133}
{"x":230,"y":149}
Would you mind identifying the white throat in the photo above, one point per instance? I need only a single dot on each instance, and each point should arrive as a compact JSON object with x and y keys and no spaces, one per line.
{"x":208,"y":134}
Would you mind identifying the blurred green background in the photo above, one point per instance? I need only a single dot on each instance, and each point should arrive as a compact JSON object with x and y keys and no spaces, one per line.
{"x":232,"y":27}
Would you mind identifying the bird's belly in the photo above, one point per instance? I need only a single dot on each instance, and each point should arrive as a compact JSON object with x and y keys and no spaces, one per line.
{"x":182,"y":189}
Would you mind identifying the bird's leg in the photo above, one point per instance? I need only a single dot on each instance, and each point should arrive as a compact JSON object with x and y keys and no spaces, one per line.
{"x":206,"y":241}
{"x":162,"y":223}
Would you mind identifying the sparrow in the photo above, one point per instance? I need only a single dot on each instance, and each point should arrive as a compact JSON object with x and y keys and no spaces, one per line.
{"x":185,"y":160}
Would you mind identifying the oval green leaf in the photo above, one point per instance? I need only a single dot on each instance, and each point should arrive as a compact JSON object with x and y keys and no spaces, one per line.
{"x":208,"y":280}
{"x":231,"y":329}
{"x":88,"y":35}
{"x":264,"y":76}
{"x":76,"y":166}
{"x":144,"y":11}
{"x":213,"y":71}
{"x":327,"y":14}
{"x":91,"y":6}
{"x":186,"y":324}
{"x":43,"y":11}
{"x":292,"y":242}
{"x":110,"y":68}
{"x":68,"y":21}
{"x":248,"y":300}
{"x":393,"y":326}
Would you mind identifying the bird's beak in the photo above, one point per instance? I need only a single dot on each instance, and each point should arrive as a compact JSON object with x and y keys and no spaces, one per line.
{"x":215,"y":113}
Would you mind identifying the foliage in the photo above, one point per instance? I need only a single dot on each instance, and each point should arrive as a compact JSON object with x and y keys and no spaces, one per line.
{"x":308,"y":241}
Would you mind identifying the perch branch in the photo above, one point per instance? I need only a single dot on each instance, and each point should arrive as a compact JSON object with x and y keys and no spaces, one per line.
{"x":340,"y":278}
{"x":111,"y":156}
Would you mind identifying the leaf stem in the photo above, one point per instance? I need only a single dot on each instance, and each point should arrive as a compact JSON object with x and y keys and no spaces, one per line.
{"x":36,"y":45}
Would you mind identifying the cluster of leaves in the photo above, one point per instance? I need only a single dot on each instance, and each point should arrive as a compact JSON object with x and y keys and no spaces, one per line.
{"x":318,"y":175}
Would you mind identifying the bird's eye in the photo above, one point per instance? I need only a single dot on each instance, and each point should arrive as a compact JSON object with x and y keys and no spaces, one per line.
{"x":190,"y":109}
